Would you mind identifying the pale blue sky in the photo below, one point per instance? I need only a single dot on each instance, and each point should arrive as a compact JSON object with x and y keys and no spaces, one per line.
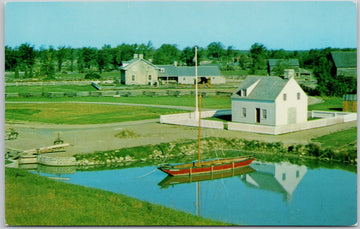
{"x":288,"y":25}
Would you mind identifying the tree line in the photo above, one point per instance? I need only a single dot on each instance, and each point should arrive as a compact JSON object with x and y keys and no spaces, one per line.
{"x":46,"y":62}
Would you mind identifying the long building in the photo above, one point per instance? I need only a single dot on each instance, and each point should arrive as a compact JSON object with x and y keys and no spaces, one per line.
{"x":139,"y":71}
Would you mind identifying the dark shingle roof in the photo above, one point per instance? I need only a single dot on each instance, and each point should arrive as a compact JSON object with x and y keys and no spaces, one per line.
{"x":344,"y":59}
{"x":288,"y":62}
{"x":268,"y":88}
{"x":171,"y":70}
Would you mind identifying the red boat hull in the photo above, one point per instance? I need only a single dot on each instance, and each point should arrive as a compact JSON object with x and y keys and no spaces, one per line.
{"x":173,"y":171}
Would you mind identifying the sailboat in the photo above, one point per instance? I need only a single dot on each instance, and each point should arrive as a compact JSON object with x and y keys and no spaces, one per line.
{"x":209,"y":166}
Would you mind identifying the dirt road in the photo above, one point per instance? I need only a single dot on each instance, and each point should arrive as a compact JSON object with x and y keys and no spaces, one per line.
{"x":101,"y":137}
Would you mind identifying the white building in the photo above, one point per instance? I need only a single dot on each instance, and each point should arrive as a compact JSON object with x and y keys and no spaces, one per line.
{"x":269,"y":101}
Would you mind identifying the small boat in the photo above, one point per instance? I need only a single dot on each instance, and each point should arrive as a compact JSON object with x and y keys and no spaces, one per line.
{"x":174,"y":180}
{"x":210,"y":166}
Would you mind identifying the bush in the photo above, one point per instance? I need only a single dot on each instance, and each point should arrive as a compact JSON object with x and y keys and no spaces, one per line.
{"x":92,"y":75}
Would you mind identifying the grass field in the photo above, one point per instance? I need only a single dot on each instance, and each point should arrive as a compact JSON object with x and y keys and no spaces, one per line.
{"x":338,"y":139}
{"x":217,"y":102}
{"x":34,"y":200}
{"x":61,"y":113}
{"x":329,"y":104}
{"x":48,"y":88}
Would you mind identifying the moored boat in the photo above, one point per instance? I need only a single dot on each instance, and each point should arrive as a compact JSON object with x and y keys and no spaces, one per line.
{"x":203,"y":167}
{"x":212,"y":166}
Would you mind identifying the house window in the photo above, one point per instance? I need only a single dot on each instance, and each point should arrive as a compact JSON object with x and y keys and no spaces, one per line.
{"x":244,"y":112}
{"x":264,"y":113}
{"x":133,"y":78}
{"x":245,"y":92}
{"x":284,"y":176}
{"x":297,"y":174}
{"x":149,"y":77}
{"x":284,"y":96}
{"x":298,"y":95}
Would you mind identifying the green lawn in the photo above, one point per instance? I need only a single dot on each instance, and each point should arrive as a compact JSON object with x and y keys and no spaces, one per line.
{"x":216,"y":102}
{"x":329,"y":104}
{"x":32,"y":200}
{"x":338,"y":139}
{"x":49,"y":88}
{"x":65,"y":113}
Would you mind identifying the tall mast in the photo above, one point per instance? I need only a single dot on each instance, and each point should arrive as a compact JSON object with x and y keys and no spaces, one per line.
{"x":199,"y":134}
{"x":196,"y":86}
{"x":198,"y":108}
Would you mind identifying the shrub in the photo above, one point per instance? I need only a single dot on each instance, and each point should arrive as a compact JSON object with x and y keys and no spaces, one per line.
{"x":92,"y":75}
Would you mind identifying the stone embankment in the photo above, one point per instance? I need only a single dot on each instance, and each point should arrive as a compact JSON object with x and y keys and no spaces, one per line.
{"x":213,"y":148}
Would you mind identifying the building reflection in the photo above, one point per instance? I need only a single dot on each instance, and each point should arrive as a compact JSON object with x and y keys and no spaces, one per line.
{"x":281,"y":178}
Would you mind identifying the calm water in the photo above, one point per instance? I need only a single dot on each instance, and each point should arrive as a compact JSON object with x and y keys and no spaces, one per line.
{"x":267,"y":194}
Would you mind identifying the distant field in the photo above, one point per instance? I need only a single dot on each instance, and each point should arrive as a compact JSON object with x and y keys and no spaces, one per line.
{"x":49,"y":88}
{"x":329,"y":104}
{"x":62,"y":113}
{"x":186,"y":101}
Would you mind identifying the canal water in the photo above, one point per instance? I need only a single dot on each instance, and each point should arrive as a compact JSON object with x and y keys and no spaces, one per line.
{"x":265,"y":194}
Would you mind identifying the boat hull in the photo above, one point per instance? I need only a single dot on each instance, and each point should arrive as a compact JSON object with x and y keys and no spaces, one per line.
{"x":207,"y":167}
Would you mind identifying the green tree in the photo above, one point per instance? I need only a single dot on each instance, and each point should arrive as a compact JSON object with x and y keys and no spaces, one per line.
{"x":70,"y":53}
{"x":188,"y":56}
{"x":215,"y":50}
{"x":166,"y":54}
{"x":47,"y":62}
{"x":11,"y":59}
{"x":17,"y":75}
{"x":26,"y":55}
{"x":258,"y":53}
{"x":60,"y":56}
{"x":125,"y":52}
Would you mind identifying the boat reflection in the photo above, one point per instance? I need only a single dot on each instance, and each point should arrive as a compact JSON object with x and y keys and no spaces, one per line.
{"x":174,"y":180}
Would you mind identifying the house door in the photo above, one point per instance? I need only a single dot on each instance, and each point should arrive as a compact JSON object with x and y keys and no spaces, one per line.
{"x":292,"y":115}
{"x":257,"y":115}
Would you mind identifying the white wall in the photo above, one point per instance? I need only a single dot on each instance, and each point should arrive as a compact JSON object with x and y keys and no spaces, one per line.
{"x":141,"y":70}
{"x":237,"y":106}
{"x":282,"y":107}
{"x":188,"y":119}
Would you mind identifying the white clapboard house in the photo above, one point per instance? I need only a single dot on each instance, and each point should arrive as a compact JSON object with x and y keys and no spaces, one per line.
{"x":269,"y":101}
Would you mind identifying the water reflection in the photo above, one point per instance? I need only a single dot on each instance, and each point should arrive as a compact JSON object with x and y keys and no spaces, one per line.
{"x":263,"y":194}
{"x":280,"y":178}
{"x":175,"y":180}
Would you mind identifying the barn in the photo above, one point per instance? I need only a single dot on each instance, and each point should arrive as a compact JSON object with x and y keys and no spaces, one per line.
{"x":139,"y":71}
{"x":344,"y":64}
{"x":286,"y":64}
{"x":186,"y":74}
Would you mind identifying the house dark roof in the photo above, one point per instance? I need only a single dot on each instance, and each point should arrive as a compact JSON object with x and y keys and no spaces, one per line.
{"x":268,"y":88}
{"x":127,"y":64}
{"x":170,"y":70}
{"x":288,"y":62}
{"x":344,"y":59}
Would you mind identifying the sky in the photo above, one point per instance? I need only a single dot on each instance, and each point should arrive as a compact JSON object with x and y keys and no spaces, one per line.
{"x":285,"y":25}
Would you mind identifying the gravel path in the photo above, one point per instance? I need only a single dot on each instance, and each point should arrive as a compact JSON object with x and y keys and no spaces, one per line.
{"x":101,"y":137}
